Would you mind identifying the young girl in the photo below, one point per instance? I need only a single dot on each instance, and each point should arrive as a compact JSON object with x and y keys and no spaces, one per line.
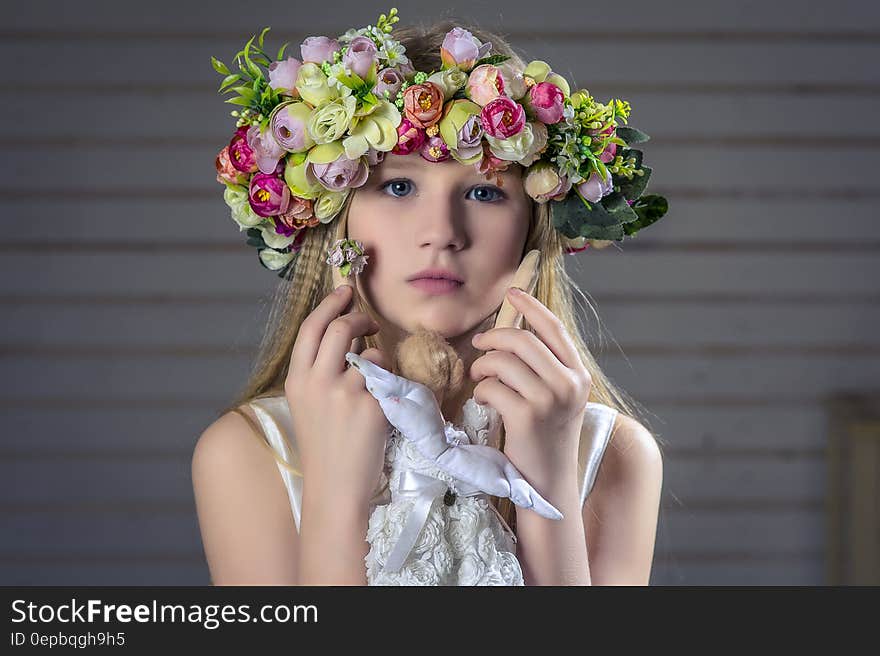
{"x":286,"y":480}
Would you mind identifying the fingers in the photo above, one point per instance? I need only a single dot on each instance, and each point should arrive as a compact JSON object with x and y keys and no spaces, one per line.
{"x":337,"y":340}
{"x":546,"y":325}
{"x":525,"y":345}
{"x":514,"y":373}
{"x":312,"y":329}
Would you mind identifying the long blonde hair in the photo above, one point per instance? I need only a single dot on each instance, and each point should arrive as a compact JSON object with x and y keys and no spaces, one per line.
{"x":310,"y":279}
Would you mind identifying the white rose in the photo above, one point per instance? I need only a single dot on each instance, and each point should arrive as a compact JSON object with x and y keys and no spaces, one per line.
{"x":463,"y":527}
{"x":486,"y":544}
{"x":274,"y":240}
{"x":429,"y":536}
{"x":236,"y":198}
{"x":275,"y":260}
{"x":513,"y":148}
{"x":450,"y":80}
{"x":510,"y":568}
{"x":419,"y":572}
{"x":471,"y":570}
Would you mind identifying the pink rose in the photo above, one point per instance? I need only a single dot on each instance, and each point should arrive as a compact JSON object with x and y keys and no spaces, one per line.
{"x":545,"y":99}
{"x":361,"y":56}
{"x":423,"y":104}
{"x":226,"y":172}
{"x":390,"y":80}
{"x":460,"y":48}
{"x":266,"y":150}
{"x":299,"y":215}
{"x":268,"y":195}
{"x":484,"y":84}
{"x":342,"y":173}
{"x":503,"y":118}
{"x":282,"y":75}
{"x":611,"y":149}
{"x":409,"y":138}
{"x":435,"y":149}
{"x":594,"y":189}
{"x":240,"y":153}
{"x":318,"y":49}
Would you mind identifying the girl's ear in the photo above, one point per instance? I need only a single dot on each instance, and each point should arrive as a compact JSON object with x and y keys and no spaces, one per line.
{"x":526,"y":278}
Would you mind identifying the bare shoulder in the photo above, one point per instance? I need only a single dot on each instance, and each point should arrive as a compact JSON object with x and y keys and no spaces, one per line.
{"x":244,"y":513}
{"x":632,"y":447}
{"x":621,"y":513}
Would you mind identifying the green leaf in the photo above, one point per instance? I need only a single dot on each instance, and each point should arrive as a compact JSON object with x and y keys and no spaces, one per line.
{"x":231,"y":79}
{"x":255,"y":238}
{"x":650,"y":209}
{"x":246,"y":92}
{"x":262,"y":34}
{"x":253,"y":68}
{"x":281,"y":51}
{"x":492,"y":59}
{"x":603,"y":220}
{"x":219,"y":66}
{"x":631,"y":135}
{"x":238,"y":100}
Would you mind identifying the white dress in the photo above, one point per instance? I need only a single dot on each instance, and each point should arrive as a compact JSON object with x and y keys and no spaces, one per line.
{"x":452,"y":539}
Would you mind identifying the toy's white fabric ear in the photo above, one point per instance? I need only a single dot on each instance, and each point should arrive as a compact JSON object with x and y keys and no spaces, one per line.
{"x":412,"y":409}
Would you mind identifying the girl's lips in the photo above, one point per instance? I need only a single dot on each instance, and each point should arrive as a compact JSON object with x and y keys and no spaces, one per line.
{"x":436,"y":285}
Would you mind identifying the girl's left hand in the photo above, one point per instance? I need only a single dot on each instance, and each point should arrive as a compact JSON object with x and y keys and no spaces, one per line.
{"x":537,"y":383}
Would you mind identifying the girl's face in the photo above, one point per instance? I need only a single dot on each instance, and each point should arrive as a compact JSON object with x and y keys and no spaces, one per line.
{"x":413,"y":214}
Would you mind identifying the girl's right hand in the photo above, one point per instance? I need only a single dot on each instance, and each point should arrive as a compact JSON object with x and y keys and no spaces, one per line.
{"x":339,"y":426}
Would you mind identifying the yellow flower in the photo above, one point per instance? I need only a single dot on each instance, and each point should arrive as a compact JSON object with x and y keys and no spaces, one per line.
{"x":330,"y":121}
{"x":312,"y":85}
{"x":301,"y":182}
{"x":329,"y":203}
{"x":377,"y":130}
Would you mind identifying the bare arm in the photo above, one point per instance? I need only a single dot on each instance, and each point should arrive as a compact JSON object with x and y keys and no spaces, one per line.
{"x":245,"y":518}
{"x":334,"y":528}
{"x":553,"y":552}
{"x":621,"y":513}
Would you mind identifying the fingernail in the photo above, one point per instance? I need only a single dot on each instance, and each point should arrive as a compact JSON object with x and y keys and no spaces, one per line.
{"x":515,"y":291}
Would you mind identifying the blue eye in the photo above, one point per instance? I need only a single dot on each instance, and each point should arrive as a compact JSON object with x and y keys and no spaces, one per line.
{"x":396,"y":185}
{"x":496,"y":194}
{"x":400,"y":187}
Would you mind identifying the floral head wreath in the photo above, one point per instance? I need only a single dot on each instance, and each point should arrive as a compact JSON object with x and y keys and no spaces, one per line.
{"x":310,"y":129}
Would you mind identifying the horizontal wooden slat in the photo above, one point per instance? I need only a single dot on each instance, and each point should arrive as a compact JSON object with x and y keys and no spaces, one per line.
{"x":92,"y":15}
{"x":787,"y":569}
{"x":43,"y":535}
{"x":118,"y":428}
{"x":742,"y":531}
{"x":98,"y":118}
{"x":583,"y":64}
{"x":171,"y":572}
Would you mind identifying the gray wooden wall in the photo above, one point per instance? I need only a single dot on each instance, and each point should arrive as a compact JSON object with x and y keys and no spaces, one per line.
{"x":131,"y":306}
